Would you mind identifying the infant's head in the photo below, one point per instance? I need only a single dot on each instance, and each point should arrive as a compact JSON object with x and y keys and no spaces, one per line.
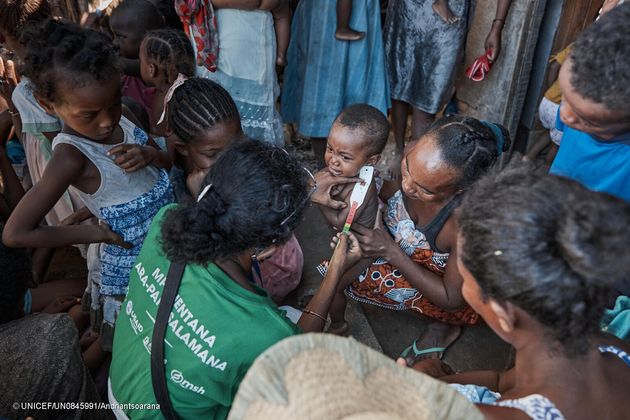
{"x":357,"y":138}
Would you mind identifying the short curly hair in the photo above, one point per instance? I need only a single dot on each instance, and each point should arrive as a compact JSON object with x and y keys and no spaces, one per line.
{"x":16,"y":14}
{"x":257,"y":198}
{"x":600,"y":60}
{"x":370,"y":122}
{"x":549,"y":246}
{"x":57,"y":49}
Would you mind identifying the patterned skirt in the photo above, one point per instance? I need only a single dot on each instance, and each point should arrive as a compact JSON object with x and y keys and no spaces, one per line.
{"x":381,"y":284}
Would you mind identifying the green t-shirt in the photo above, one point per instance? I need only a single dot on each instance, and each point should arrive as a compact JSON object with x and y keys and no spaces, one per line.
{"x":216,"y":330}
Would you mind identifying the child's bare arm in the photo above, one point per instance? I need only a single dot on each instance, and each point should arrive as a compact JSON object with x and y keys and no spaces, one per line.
{"x":337,"y":217}
{"x":23,"y":229}
{"x":282,"y":25}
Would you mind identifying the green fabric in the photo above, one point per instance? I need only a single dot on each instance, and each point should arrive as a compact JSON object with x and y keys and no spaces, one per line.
{"x":216,"y":330}
{"x":616,"y":321}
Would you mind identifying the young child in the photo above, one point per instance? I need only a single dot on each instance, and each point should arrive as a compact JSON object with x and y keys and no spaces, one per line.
{"x":548,"y":110}
{"x":205,"y":120}
{"x":344,"y":32}
{"x":594,"y":114}
{"x":357,"y":138}
{"x":33,"y":125}
{"x":442,"y":8}
{"x":102,"y":154}
{"x":129,"y":30}
{"x":165,"y":56}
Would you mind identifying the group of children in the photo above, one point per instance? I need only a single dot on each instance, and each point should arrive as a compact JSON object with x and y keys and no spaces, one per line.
{"x":106,"y":151}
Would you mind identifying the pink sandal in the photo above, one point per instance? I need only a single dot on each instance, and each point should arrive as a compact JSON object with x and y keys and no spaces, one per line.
{"x":480,"y":67}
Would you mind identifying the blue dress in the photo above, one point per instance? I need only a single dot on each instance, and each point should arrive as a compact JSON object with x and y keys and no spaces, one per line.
{"x":324,"y":75}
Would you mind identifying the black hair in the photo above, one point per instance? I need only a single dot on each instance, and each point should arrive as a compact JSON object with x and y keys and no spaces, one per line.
{"x":370,"y":121}
{"x":144,"y":15}
{"x":173,"y":51}
{"x":167,"y":10}
{"x":16,"y":14}
{"x":469,"y":145}
{"x":600,"y":60}
{"x":15,"y":266}
{"x":58,"y":50}
{"x":197,"y":106}
{"x":549,"y":246}
{"x":255,"y":188}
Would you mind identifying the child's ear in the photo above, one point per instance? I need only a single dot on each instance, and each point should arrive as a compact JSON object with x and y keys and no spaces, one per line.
{"x":373,"y":160}
{"x":45,"y":104}
{"x":181,"y":148}
{"x":153,"y":70}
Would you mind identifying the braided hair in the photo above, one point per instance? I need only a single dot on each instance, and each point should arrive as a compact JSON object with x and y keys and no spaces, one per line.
{"x":171,"y":50}
{"x":549,"y":246}
{"x":257,"y":196}
{"x":16,"y":14}
{"x":197,"y":106}
{"x":58,"y":50}
{"x":469,"y":145}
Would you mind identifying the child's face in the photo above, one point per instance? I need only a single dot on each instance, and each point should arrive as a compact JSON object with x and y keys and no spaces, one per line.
{"x":346,"y":153}
{"x":204,"y":150}
{"x":127,"y":36}
{"x":91,"y":111}
{"x":425,"y":175}
{"x":586,"y":115}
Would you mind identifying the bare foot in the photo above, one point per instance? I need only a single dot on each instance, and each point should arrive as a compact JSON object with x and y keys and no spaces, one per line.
{"x":431,"y":344}
{"x":441,"y":8}
{"x":347,"y":34}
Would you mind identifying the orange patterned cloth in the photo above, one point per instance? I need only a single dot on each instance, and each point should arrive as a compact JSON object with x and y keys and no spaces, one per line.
{"x":381,"y":284}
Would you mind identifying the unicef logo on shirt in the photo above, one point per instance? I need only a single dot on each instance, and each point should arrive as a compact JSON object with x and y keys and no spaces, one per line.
{"x":176,"y":376}
{"x":129,"y":307}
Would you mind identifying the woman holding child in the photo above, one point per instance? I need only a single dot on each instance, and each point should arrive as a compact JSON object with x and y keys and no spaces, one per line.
{"x":412,"y":250}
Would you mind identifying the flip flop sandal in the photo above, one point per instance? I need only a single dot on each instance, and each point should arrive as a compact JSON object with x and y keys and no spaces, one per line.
{"x":412,"y":354}
{"x":480,"y":67}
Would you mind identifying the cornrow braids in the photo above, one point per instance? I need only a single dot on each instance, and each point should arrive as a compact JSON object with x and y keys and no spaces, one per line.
{"x":57,"y":48}
{"x":172,"y":51}
{"x":468,"y":145}
{"x":16,"y":14}
{"x":197,"y":106}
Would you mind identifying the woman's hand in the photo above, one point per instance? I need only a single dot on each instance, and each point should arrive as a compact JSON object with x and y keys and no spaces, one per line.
{"x":377,"y":242}
{"x":8,"y":81}
{"x":352,"y":253}
{"x":325,"y":184}
{"x":111,"y":237}
{"x":493,"y":41}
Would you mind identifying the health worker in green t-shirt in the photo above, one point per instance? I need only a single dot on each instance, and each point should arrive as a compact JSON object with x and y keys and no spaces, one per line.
{"x":250,"y":202}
